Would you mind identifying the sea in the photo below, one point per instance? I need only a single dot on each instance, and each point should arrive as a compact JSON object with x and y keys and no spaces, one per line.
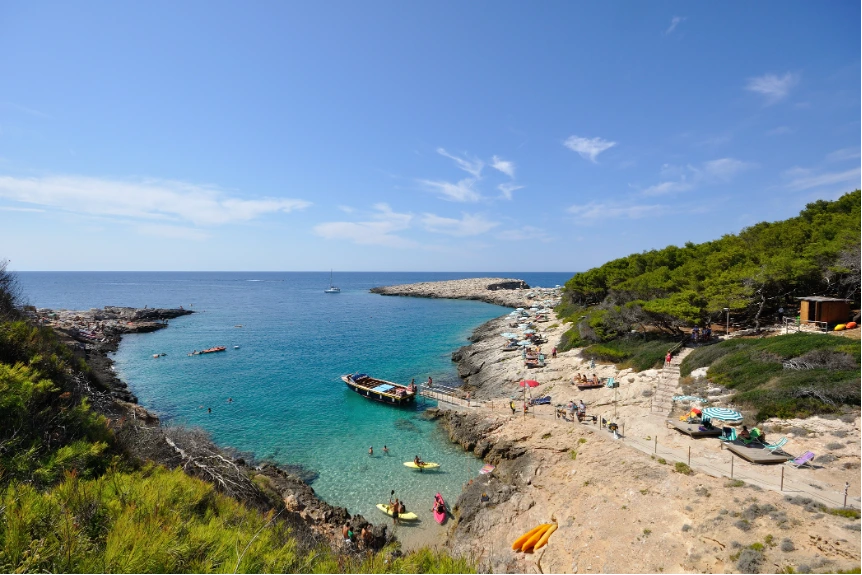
{"x":276,"y":393}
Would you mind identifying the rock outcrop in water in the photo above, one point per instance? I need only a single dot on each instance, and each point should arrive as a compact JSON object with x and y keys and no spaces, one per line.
{"x":500,"y":291}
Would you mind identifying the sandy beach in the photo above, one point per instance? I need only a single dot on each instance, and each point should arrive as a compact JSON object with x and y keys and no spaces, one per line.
{"x":621,"y":504}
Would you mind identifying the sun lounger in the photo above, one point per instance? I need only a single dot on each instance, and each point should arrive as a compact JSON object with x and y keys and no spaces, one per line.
{"x":777,"y":446}
{"x":804,"y":459}
{"x":753,"y":437}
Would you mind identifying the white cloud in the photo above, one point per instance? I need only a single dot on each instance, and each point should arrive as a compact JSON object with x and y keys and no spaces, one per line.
{"x":507,"y":188}
{"x":380,"y":230}
{"x":504,"y":166}
{"x":471,"y":166}
{"x":346,"y":209}
{"x":674,"y":22}
{"x":143,"y":199}
{"x":468,"y":225}
{"x":462,"y":191}
{"x":615,"y":210}
{"x":773,"y":87}
{"x":524,"y":233}
{"x":802,"y":179}
{"x":843,"y":154}
{"x":588,"y":148}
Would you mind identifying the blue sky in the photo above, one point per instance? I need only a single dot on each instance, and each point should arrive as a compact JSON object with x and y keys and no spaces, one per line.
{"x":444,"y":136}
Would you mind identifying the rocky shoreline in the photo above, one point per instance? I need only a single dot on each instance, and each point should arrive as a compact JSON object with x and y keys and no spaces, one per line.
{"x":506,"y":292}
{"x":95,"y":333}
{"x":619,"y":509}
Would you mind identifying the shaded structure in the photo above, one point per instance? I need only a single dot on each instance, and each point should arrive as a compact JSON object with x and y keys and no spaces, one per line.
{"x":757,"y":454}
{"x":693,"y":429}
{"x":829,"y":310}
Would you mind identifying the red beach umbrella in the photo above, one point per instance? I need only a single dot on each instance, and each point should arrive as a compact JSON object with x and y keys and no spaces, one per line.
{"x":530,"y":382}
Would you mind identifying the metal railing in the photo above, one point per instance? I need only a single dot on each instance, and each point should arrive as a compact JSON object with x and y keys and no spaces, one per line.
{"x":715,"y":464}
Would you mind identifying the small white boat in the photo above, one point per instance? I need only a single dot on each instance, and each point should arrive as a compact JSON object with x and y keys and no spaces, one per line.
{"x":332,"y":288}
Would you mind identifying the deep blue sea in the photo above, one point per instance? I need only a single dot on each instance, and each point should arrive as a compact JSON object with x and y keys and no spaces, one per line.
{"x":289,"y":404}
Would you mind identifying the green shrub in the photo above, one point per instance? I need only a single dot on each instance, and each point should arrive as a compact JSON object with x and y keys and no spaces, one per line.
{"x":683,"y":468}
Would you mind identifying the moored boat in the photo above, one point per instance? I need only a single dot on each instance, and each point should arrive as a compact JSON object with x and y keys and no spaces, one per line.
{"x":214,"y":349}
{"x":379,"y":389}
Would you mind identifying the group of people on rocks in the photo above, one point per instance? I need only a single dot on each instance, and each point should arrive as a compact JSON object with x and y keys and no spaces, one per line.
{"x":365,"y":535}
{"x":584,"y":379}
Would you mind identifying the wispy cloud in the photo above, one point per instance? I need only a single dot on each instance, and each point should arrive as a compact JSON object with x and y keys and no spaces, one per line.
{"x":803,"y":179}
{"x":25,"y":109}
{"x":172,"y":232}
{"x":524,"y":233}
{"x":463,"y":191}
{"x":13,"y":209}
{"x":771,"y":86}
{"x":379,"y":230}
{"x":724,"y":168}
{"x":142,"y":199}
{"x":780,"y":131}
{"x":504,"y":166}
{"x":670,"y":187}
{"x":615,"y":210}
{"x":507,"y":188}
{"x":588,"y":148}
{"x":468,"y":225}
{"x":683,"y":179}
{"x":472,"y":166}
{"x":346,"y":209}
{"x":843,"y":154}
{"x":674,"y":22}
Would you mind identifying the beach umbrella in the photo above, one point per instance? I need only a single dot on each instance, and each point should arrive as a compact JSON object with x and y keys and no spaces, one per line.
{"x":722,"y":413}
{"x":528,"y":382}
{"x":509,"y":335}
{"x":529,"y":331}
{"x":689,"y":398}
{"x":525,"y":342}
{"x":519,"y":309}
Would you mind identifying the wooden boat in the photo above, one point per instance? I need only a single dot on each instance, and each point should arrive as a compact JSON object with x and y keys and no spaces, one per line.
{"x":214,"y":349}
{"x":379,"y":389}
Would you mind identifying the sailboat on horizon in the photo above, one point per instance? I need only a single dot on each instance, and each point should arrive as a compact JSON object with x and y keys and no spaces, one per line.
{"x":332,"y":288}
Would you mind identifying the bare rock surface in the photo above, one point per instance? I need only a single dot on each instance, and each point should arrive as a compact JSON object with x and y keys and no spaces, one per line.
{"x":499,"y":291}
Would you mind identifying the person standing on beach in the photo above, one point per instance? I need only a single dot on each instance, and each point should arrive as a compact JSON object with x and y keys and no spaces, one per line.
{"x":554,"y":352}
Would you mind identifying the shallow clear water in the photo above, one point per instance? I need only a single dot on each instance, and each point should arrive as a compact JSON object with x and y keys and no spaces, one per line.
{"x":288,"y":402}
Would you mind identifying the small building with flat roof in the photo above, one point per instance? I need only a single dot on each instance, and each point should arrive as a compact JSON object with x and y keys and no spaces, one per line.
{"x":816,"y":308}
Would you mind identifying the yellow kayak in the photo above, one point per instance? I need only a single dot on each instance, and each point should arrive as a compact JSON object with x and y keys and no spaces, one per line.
{"x":426,"y":465}
{"x":405,"y":516}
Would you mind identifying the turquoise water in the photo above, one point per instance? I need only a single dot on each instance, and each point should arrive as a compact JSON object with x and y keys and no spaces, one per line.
{"x":288,"y":402}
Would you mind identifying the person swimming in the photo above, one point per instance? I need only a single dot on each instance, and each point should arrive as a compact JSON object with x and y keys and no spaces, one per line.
{"x":385,"y":450}
{"x":371,"y":450}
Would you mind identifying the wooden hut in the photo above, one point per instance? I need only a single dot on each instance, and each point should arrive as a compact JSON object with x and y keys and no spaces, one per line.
{"x":829,"y":310}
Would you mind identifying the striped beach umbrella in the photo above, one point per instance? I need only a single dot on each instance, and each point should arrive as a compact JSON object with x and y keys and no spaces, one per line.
{"x":689,"y":398}
{"x":723,"y":413}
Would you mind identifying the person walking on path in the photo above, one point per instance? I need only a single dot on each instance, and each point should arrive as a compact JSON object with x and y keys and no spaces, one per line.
{"x":554,"y":352}
{"x":667,"y":358}
{"x":512,"y":405}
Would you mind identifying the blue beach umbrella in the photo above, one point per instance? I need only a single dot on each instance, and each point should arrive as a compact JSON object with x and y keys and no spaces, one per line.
{"x":509,"y":335}
{"x":723,"y":413}
{"x":525,"y":342}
